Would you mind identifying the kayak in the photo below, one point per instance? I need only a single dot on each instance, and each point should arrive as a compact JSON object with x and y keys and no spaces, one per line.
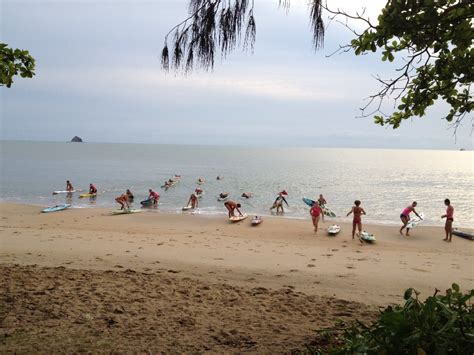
{"x":63,"y":192}
{"x":87,"y":195}
{"x":466,"y":235}
{"x":56,"y":208}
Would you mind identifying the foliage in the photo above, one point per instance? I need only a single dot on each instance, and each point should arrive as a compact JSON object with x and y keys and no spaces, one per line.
{"x":443,"y":324}
{"x":434,"y":39}
{"x":217,"y":25}
{"x":14,"y":62}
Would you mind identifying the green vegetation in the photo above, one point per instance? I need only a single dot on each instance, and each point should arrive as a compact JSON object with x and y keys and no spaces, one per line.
{"x":443,"y":324}
{"x":14,"y":62}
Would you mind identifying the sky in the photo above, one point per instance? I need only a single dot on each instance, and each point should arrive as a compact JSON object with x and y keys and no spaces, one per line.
{"x":98,"y":76}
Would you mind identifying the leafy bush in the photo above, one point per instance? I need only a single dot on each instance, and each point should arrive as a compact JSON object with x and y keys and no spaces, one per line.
{"x":443,"y":324}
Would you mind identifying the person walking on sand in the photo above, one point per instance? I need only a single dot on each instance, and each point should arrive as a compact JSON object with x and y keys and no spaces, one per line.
{"x":69,"y":187}
{"x":123,"y":201}
{"x":448,"y":227}
{"x":231,"y":207}
{"x":315,"y":213}
{"x":155,"y":196}
{"x":193,"y":201}
{"x":405,"y":216}
{"x":357,"y":220}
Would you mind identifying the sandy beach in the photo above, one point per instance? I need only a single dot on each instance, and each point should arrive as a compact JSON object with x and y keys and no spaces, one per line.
{"x":83,"y":280}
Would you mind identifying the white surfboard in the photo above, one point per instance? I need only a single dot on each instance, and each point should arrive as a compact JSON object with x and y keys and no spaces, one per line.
{"x":367,"y":237}
{"x":63,"y":192}
{"x":125,"y":211}
{"x":334,"y":229}
{"x":186,"y":208}
{"x":413,"y":222}
{"x":238,"y":218}
{"x":256,"y":221}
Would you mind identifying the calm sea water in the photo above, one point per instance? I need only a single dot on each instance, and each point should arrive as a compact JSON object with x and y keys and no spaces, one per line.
{"x":384,"y":180}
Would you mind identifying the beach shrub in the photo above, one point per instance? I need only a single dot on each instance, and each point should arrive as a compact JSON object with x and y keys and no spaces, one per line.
{"x":442,"y":324}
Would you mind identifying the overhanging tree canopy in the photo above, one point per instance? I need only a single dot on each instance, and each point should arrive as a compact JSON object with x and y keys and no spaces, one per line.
{"x":433,"y":38}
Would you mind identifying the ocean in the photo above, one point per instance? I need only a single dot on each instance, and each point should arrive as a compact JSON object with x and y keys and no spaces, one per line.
{"x":385,"y":181}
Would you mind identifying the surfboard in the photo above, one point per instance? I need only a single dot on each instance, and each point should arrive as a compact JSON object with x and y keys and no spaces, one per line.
{"x":126,"y":211}
{"x":256,"y":221}
{"x":186,"y":208}
{"x":327,"y":211}
{"x":466,"y":235}
{"x":222,"y":199}
{"x":334,"y":229}
{"x":147,"y":202}
{"x":238,"y":218}
{"x":56,"y":208}
{"x":367,"y":237}
{"x":87,"y":195}
{"x":63,"y":192}
{"x":413,"y":222}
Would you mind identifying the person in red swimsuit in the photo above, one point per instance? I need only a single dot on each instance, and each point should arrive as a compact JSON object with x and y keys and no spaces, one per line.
{"x":193,"y":201}
{"x":315,"y":213}
{"x":357,"y":220}
{"x":448,"y":227}
{"x":92,"y":189}
{"x":154,"y":195}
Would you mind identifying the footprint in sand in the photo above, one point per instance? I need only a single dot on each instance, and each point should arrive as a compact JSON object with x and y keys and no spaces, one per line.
{"x":419,"y":270}
{"x":294,"y":270}
{"x":119,"y":266}
{"x":350,"y":267}
{"x":218,"y":258}
{"x":334,"y":249}
{"x":311,"y":265}
{"x":279,"y":275}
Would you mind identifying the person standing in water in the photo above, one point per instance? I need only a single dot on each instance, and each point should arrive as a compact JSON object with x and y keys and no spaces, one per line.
{"x":92,"y":189}
{"x":155,"y":196}
{"x":357,"y":220}
{"x":123,"y":201}
{"x":278,"y":203}
{"x":69,"y":187}
{"x":130,"y":195}
{"x":405,"y":216}
{"x":193,"y":201}
{"x":448,"y":227}
{"x":231,"y":207}
{"x":322,"y":201}
{"x":315,"y":213}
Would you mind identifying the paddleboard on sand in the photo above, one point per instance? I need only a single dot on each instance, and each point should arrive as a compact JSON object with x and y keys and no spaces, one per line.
{"x":87,"y":195}
{"x":125,"y":211}
{"x":238,"y":218}
{"x":327,"y":211}
{"x":56,"y":208}
{"x":367,"y":237}
{"x":466,"y":235}
{"x":413,"y":222}
{"x":334,"y":229}
{"x":256,"y":221}
{"x":63,"y":192}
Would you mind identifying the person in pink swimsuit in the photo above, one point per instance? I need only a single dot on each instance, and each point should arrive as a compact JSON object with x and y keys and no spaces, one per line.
{"x":405,"y":217}
{"x":315,"y":213}
{"x":448,"y":227}
{"x":155,"y":196}
{"x":357,"y":220}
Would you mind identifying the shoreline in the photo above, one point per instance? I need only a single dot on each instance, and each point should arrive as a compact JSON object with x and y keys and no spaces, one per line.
{"x":204,"y":214}
{"x":278,"y":252}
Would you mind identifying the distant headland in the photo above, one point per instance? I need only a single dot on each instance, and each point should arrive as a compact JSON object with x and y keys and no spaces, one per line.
{"x":76,"y":139}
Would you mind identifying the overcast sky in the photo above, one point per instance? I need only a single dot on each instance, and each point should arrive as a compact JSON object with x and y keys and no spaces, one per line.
{"x":98,"y":76}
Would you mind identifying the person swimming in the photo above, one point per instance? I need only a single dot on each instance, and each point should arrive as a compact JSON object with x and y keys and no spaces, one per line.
{"x":246,"y":195}
{"x":223,"y":195}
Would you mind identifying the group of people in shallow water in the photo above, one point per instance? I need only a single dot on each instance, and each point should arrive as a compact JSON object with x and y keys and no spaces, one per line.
{"x":316,"y":211}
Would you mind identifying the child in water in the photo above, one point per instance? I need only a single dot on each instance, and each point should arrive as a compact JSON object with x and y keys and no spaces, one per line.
{"x":357,"y":220}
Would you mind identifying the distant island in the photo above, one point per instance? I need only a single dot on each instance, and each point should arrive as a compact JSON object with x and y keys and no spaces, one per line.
{"x":76,"y":139}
